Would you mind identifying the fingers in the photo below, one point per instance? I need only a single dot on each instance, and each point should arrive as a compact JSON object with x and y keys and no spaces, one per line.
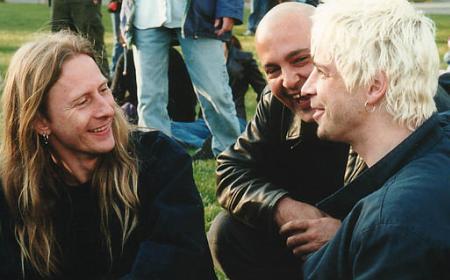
{"x":304,"y":243}
{"x":305,"y":249}
{"x":294,"y":226}
{"x":217,"y":22}
{"x":224,"y":24}
{"x":307,"y":236}
{"x":299,"y":239}
{"x":227,"y":24}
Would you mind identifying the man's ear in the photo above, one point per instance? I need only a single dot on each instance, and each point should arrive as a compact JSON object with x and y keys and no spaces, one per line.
{"x":41,"y":125}
{"x":377,"y":89}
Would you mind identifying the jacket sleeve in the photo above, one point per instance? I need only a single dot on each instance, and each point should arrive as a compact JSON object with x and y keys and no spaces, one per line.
{"x":176,"y":245}
{"x":243,"y":189}
{"x":230,"y":8}
{"x":381,"y":251}
{"x":393,"y":251}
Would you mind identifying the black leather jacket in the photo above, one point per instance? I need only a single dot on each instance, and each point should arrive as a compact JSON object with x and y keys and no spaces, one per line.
{"x":277,"y":155}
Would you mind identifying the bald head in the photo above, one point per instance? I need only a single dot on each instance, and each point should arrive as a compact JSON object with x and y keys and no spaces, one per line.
{"x":285,"y":17}
{"x":283,"y":46}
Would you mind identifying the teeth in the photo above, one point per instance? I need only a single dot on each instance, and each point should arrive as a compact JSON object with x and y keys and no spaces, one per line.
{"x":99,"y":129}
{"x":296,"y":96}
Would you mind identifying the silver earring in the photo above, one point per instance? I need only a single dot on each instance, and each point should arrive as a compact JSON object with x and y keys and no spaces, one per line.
{"x":45,"y":138}
{"x":366,"y":107}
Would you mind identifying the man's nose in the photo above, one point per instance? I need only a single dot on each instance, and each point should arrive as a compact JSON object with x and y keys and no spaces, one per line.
{"x":104,"y":107}
{"x":290,"y":79}
{"x":309,"y":87}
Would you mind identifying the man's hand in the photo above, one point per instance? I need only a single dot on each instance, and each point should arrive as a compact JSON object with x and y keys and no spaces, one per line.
{"x":223,"y":25}
{"x":288,"y":209}
{"x":307,"y":236}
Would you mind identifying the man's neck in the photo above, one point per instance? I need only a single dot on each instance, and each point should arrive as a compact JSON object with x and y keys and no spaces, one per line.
{"x":77,"y":171}
{"x":378,"y":138}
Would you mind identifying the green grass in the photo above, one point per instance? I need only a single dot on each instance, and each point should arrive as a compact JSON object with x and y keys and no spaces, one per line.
{"x":21,"y":22}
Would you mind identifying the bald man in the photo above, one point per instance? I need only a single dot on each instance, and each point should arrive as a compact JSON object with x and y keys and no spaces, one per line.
{"x":278,"y":168}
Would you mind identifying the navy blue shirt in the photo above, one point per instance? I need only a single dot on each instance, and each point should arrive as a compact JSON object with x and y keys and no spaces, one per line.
{"x":397,"y":214}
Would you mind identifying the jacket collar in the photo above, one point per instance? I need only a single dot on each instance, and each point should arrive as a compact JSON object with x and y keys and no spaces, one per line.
{"x":421,"y":140}
{"x":295,"y":125}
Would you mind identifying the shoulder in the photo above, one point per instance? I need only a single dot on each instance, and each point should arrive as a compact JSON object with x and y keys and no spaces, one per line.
{"x":152,"y":146}
{"x":164,"y":166}
{"x":414,"y":199}
{"x":269,"y":100}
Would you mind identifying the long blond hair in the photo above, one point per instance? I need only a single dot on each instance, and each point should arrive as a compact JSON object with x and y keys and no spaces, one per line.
{"x":29,"y":184}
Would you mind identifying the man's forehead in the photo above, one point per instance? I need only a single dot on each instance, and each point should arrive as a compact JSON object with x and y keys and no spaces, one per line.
{"x":78,"y":75}
{"x":282,"y":50}
{"x":320,"y":59}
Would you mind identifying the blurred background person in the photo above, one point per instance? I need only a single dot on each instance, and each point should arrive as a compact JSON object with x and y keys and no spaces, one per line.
{"x":85,"y":18}
{"x":243,"y":72}
{"x":152,"y":26}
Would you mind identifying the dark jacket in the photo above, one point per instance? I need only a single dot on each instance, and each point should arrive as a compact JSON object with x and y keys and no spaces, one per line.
{"x":444,"y":81}
{"x":168,"y":243}
{"x":202,"y":13}
{"x":243,"y":71}
{"x":398,"y":219}
{"x":277,"y":155}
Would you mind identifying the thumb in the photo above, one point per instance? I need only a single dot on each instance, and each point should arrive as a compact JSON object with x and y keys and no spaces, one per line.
{"x":217,"y":22}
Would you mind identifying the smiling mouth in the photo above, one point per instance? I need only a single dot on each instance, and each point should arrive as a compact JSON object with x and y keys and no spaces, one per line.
{"x":100,"y":129}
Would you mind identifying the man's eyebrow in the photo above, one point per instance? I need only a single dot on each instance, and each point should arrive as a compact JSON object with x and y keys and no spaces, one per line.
{"x":296,"y":52}
{"x":320,"y":66}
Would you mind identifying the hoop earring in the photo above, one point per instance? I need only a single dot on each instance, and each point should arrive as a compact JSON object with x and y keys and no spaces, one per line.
{"x":366,"y":107}
{"x":45,"y":138}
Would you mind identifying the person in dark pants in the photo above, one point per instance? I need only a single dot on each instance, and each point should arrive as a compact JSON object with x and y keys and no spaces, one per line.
{"x":83,"y":17}
{"x":199,"y":26}
{"x":278,"y":168}
{"x":82,"y":194}
{"x":278,"y":165}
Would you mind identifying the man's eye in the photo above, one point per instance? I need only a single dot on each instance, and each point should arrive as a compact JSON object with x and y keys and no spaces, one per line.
{"x":271,"y":71}
{"x":322,"y":74}
{"x":82,"y":101}
{"x":301,"y":60}
{"x":105,"y":90}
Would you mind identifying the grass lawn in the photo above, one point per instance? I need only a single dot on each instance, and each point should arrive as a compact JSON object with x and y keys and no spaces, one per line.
{"x":21,"y":22}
